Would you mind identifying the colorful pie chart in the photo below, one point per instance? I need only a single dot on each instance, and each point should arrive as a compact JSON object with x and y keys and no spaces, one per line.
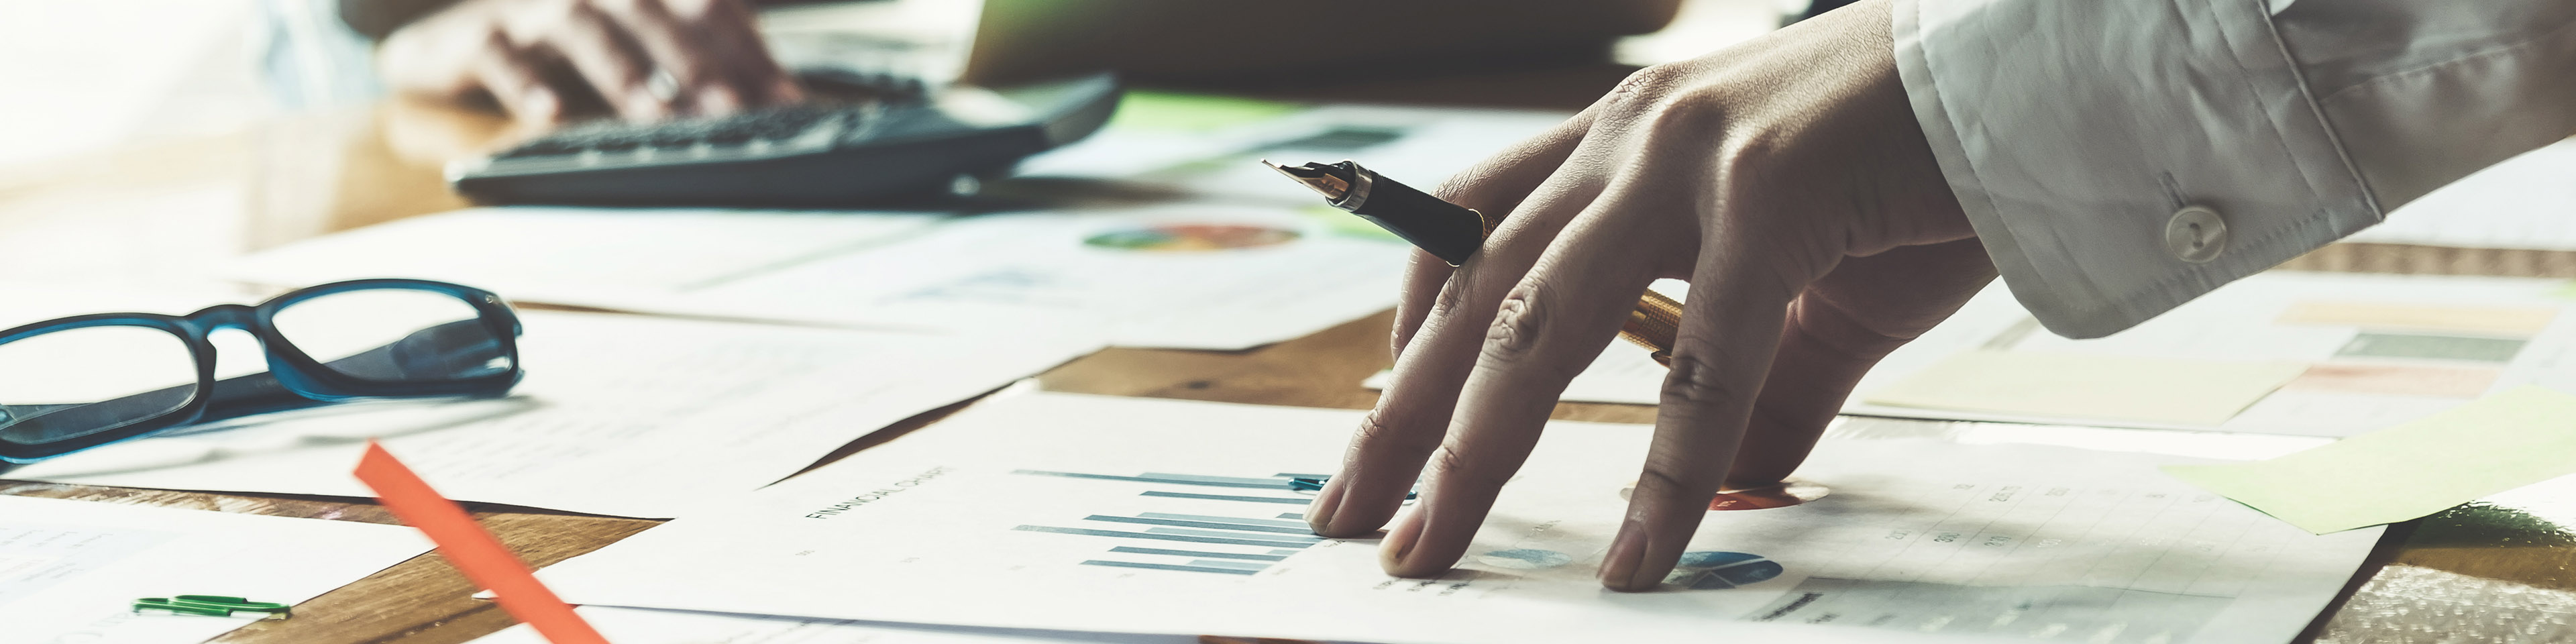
{"x":1718,"y":570}
{"x":1524,"y":559}
{"x":1184,"y":238}
{"x":1777,"y":495}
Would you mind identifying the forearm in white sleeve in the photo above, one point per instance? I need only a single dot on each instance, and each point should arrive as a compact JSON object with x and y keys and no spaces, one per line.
{"x":2119,"y":158}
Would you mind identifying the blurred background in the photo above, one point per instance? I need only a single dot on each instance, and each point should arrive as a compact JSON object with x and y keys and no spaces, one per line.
{"x":147,"y":137}
{"x":149,"y":70}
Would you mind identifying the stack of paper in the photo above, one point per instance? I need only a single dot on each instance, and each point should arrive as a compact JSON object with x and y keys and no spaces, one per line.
{"x":1057,"y":511}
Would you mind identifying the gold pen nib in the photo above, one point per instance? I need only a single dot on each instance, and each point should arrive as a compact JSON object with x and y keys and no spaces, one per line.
{"x":1318,"y":176}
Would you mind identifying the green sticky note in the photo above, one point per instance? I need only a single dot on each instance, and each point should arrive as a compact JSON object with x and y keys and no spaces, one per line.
{"x":1168,"y":111}
{"x":2499,"y":443}
{"x":2069,"y":385}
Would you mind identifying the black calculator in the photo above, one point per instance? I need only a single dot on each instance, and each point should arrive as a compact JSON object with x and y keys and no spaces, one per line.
{"x":826,"y":153}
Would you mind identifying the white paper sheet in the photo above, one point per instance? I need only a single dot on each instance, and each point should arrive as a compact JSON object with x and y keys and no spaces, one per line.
{"x":619,"y":415}
{"x":2526,"y":202}
{"x":2396,"y":368}
{"x":1200,"y":275}
{"x":578,"y":255}
{"x":1188,"y":276}
{"x":1243,"y":258}
{"x":646,"y":626}
{"x":1129,"y":515}
{"x":2498,"y":333}
{"x":1420,"y":146}
{"x":71,"y":570}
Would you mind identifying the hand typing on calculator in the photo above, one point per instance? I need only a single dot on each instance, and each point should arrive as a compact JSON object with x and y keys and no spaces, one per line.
{"x":544,"y":61}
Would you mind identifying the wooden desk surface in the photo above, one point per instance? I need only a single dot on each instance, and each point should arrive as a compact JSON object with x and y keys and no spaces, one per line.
{"x":2475,"y":574}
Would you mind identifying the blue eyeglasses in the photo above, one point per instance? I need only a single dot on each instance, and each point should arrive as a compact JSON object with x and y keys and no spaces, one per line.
{"x":80,"y":382}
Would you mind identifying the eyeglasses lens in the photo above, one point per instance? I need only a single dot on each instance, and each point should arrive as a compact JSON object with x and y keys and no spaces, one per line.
{"x":394,"y":335}
{"x":78,"y":382}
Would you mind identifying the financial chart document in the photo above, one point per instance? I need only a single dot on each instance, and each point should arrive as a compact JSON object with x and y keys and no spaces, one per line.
{"x":621,"y":415}
{"x":1122,"y":515}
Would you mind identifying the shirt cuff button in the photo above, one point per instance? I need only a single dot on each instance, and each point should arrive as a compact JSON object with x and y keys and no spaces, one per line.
{"x":2195,"y":234}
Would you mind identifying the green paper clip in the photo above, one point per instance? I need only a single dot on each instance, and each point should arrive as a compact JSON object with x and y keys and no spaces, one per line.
{"x":210,"y":606}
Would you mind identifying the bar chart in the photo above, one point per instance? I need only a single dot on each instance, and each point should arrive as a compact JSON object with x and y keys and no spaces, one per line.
{"x":1194,"y":542}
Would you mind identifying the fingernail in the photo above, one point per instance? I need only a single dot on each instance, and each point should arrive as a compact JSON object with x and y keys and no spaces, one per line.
{"x":1319,"y":515}
{"x":1399,"y":542}
{"x":1627,"y":553}
{"x":540,"y":104}
{"x":642,"y":105}
{"x":717,"y":100}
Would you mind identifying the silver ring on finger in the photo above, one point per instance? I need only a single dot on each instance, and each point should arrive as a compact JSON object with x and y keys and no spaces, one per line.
{"x":663,"y":85}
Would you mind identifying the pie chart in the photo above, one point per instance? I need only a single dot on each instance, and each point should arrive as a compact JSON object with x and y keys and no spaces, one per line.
{"x":1776,"y":495}
{"x":1716,"y":570}
{"x":1524,"y":559}
{"x":1191,"y":238}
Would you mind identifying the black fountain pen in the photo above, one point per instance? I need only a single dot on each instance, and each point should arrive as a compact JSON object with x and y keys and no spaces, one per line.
{"x":1452,"y":233}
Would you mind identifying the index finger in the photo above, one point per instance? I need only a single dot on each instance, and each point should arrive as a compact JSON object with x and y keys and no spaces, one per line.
{"x":1386,"y":452}
{"x":1551,"y":325}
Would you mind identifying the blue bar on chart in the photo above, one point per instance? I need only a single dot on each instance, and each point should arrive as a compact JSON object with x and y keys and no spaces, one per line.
{"x":1221,"y":497}
{"x":1149,"y":519}
{"x":1195,"y":553}
{"x":1209,"y":538}
{"x":1274,"y":543}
